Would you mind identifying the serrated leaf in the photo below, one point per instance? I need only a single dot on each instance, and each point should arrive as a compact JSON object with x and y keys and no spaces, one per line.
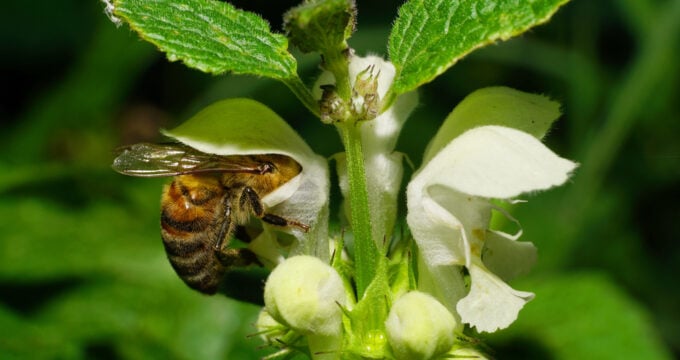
{"x":210,"y":35}
{"x":321,"y":25}
{"x":431,"y":35}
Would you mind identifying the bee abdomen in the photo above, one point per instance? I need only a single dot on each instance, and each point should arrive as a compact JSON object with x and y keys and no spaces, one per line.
{"x":193,"y":225}
{"x":194,"y":261}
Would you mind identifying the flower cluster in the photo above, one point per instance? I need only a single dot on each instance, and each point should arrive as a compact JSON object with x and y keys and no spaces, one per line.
{"x":449,"y":270}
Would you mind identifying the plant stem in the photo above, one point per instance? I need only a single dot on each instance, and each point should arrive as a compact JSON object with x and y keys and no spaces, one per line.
{"x":298,"y":88}
{"x":365,"y":250}
{"x":337,"y":63}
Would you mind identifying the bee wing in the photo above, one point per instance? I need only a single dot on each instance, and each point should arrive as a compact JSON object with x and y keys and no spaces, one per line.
{"x":154,"y":160}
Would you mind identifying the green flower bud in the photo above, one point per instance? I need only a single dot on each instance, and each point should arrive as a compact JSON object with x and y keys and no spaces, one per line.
{"x":305,"y":293}
{"x":419,"y":327}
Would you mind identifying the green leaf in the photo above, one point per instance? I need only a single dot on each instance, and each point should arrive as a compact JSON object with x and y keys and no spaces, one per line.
{"x":531,"y":113}
{"x":585,"y":316}
{"x":320,"y":25}
{"x":210,"y":35}
{"x":429,"y":36}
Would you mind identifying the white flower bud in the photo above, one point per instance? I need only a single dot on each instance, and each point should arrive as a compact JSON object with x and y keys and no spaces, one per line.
{"x":305,"y":293}
{"x":419,"y":327}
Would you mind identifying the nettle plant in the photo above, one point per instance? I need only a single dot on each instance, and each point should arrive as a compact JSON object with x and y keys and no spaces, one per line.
{"x":371,"y":291}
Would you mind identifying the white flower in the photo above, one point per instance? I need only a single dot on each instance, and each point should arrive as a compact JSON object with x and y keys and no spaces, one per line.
{"x":449,"y":212}
{"x":244,"y":126}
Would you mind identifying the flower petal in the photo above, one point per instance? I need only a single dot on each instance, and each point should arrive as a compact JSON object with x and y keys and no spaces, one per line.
{"x":244,"y":126}
{"x":497,"y":105}
{"x":267,"y":249}
{"x":506,"y":257}
{"x":496,"y":162}
{"x":439,"y":235}
{"x":491,"y":304}
{"x":446,"y":223}
{"x":448,"y":291}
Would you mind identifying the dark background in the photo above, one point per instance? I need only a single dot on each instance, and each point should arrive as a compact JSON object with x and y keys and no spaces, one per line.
{"x":82,"y":269}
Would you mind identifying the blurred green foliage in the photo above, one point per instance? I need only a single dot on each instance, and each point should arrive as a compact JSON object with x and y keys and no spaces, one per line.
{"x":82,"y":269}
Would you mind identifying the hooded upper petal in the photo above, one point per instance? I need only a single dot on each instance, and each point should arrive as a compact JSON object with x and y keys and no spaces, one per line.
{"x":497,"y":105}
{"x":496,"y":162}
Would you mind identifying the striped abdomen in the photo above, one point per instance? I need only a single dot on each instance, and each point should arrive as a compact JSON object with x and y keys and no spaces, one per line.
{"x":189,"y":225}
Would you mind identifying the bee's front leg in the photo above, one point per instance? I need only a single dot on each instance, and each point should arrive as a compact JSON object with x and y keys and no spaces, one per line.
{"x":250,"y":196}
{"x":280,"y":221}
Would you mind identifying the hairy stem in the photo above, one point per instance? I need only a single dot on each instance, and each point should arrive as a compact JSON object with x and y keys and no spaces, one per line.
{"x":337,"y":63}
{"x":365,"y":250}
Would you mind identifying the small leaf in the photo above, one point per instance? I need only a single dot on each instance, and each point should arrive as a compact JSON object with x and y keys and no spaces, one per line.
{"x":367,"y":337}
{"x":210,"y":35}
{"x":321,"y":26}
{"x":429,"y":36}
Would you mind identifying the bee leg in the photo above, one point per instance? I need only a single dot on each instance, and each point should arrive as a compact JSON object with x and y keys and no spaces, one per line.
{"x":249,"y":195}
{"x":280,"y":221}
{"x":240,"y":257}
{"x":226,"y":227}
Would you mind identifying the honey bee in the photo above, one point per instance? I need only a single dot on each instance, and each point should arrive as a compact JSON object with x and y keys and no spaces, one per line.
{"x":209,"y":197}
